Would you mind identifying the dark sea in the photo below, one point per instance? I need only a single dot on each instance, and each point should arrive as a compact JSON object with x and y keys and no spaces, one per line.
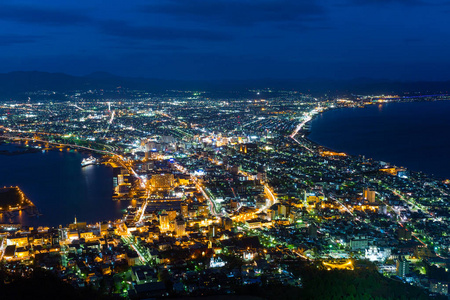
{"x":415,"y":135}
{"x":59,"y":187}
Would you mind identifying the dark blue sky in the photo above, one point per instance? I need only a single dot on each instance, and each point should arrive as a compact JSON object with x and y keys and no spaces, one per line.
{"x":229,"y":39}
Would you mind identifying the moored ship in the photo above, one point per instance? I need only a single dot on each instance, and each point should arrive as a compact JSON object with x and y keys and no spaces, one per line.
{"x":88,"y":161}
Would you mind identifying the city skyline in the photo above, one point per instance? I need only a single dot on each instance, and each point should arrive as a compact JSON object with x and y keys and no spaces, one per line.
{"x":219,"y":196}
{"x":234,"y":148}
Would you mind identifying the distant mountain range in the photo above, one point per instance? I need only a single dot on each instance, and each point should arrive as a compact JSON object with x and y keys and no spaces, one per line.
{"x":15,"y":85}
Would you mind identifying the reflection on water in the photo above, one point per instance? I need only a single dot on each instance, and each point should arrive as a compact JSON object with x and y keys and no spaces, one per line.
{"x":55,"y":182}
{"x":413,"y":135}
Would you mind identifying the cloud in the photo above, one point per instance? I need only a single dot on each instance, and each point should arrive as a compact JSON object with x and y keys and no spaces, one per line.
{"x":239,"y":12}
{"x":43,"y":16}
{"x":159,"y":33}
{"x":8,"y":40}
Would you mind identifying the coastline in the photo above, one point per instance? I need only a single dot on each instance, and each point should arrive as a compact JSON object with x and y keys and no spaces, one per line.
{"x":51,"y":205}
{"x":318,"y":146}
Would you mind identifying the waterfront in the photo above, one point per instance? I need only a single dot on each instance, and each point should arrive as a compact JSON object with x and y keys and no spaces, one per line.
{"x":413,"y":135}
{"x":206,"y":186}
{"x":55,"y":182}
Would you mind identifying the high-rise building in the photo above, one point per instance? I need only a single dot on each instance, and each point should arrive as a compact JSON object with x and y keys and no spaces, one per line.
{"x":184,"y":210}
{"x":120,"y":179}
{"x":180,"y":227}
{"x":282,"y":210}
{"x":147,"y":151}
{"x":402,"y":267}
{"x":369,"y":195}
{"x":212,"y":230}
{"x":164,"y":223}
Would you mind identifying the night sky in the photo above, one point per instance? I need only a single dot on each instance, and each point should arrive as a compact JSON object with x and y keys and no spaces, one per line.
{"x":229,"y":39}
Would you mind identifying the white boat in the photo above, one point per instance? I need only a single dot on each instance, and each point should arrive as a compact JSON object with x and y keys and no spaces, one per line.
{"x":88,"y":161}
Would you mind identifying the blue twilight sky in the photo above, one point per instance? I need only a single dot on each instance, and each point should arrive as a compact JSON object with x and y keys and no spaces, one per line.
{"x":229,"y":39}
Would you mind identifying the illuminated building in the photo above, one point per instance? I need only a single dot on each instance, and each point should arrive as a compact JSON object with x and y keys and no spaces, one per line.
{"x":403,"y":174}
{"x":203,"y":210}
{"x":104,"y":228}
{"x":172,"y":215}
{"x":22,"y":253}
{"x":10,"y":252}
{"x":374,"y":253}
{"x":252,"y":224}
{"x":422,"y":251}
{"x":73,"y":235}
{"x":147,"y":152}
{"x":438,"y":287}
{"x":183,"y":180}
{"x":88,"y":235}
{"x":180,"y":227}
{"x":248,"y":255}
{"x":249,"y":148}
{"x":402,"y":267}
{"x":283,"y":211}
{"x":369,"y":195}
{"x":212,"y":230}
{"x":359,"y":243}
{"x":184,"y":210}
{"x":164,"y":223}
{"x":132,"y":258}
{"x":21,"y":241}
{"x":311,"y":199}
{"x":216,"y":262}
{"x":120,"y":179}
{"x":162,"y":181}
{"x":391,"y":171}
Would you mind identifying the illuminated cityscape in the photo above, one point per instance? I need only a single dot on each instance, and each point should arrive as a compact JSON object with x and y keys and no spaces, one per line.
{"x":224,"y":149}
{"x":223,"y":194}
